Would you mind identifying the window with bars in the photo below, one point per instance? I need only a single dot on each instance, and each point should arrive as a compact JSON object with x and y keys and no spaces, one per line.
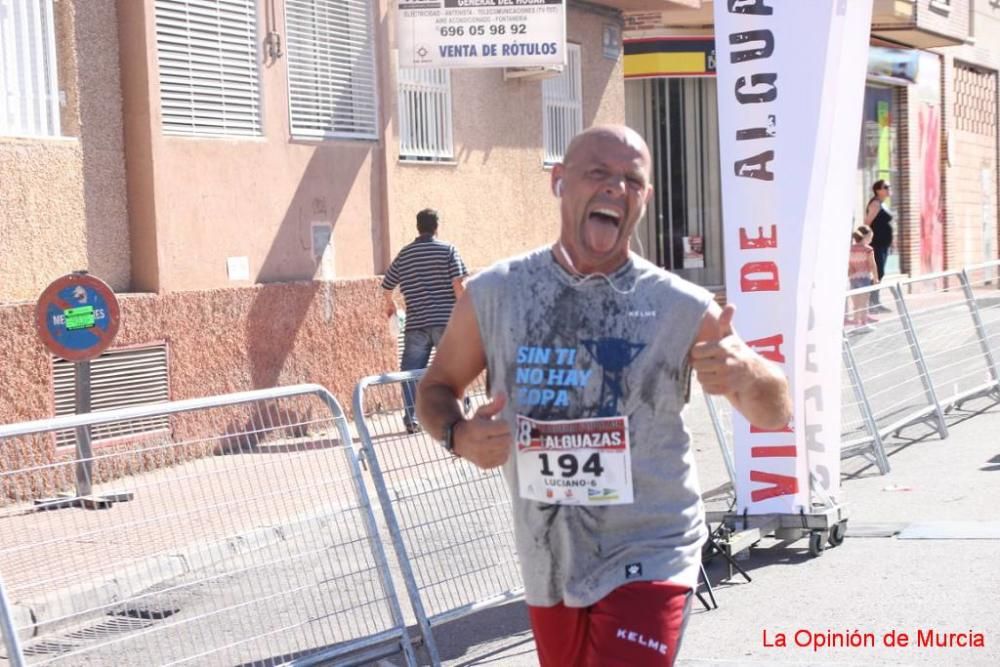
{"x":118,"y":379}
{"x":975,"y":100}
{"x":425,"y":114}
{"x":209,"y":77}
{"x":562,"y":107}
{"x":331,"y":69}
{"x":29,"y":87}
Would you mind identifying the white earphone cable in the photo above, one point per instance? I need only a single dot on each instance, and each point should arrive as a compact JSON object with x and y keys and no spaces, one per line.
{"x":579,"y":278}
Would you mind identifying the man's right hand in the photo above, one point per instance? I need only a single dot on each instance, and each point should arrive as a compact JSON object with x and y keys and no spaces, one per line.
{"x":485,"y":440}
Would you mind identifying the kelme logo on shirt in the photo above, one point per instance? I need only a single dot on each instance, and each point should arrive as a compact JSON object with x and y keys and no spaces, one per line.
{"x":633,"y":570}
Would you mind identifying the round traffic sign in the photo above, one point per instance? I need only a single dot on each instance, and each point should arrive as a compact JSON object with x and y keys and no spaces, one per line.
{"x":77,"y":317}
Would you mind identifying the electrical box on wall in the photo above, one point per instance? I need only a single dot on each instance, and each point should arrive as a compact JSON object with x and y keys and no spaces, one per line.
{"x":322,"y":249}
{"x":238,"y":268}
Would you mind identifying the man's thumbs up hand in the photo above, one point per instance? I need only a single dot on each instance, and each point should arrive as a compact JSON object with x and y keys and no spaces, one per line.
{"x":720,"y":360}
{"x":486,"y":439}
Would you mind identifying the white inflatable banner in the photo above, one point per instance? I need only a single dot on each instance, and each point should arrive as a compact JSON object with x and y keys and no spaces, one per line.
{"x":835,"y":188}
{"x":778,"y":77}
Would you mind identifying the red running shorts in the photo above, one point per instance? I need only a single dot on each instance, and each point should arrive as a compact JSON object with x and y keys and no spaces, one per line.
{"x":636,"y":625}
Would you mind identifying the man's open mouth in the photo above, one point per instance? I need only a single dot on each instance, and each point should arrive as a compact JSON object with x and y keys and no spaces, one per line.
{"x":606,"y":215}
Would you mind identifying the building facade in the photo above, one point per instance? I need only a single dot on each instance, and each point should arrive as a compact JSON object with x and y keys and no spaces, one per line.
{"x":929,"y":128}
{"x":240,"y":172}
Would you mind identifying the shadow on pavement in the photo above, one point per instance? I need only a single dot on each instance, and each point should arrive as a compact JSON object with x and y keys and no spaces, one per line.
{"x":860,"y":468}
{"x":994,"y":465}
{"x":503,"y":630}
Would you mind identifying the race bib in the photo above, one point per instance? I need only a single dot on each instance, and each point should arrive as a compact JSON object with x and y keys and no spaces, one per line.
{"x":574,"y":462}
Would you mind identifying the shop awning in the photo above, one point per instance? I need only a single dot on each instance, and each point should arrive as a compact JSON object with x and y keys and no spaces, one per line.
{"x":922,"y":27}
{"x":910,"y":23}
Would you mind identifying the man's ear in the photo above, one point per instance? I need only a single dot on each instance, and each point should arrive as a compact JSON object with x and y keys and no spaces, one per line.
{"x":557,"y":180}
{"x":649,"y":193}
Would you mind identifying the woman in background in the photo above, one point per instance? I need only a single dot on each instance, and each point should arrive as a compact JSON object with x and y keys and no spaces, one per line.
{"x":878,"y":221}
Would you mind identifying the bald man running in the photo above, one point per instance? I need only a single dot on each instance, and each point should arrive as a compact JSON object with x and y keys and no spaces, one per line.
{"x":589,"y":351}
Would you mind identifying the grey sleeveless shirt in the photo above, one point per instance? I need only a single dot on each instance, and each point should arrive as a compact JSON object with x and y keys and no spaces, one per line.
{"x":528,"y":305}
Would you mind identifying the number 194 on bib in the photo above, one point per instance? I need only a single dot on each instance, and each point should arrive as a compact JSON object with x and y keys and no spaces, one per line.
{"x":574,"y":462}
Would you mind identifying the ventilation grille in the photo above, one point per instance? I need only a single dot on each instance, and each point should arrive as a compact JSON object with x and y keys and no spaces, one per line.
{"x":118,"y":379}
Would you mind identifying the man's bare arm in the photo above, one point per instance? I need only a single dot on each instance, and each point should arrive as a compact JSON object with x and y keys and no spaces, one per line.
{"x":388,"y":305}
{"x":458,"y":284}
{"x":726,"y":366}
{"x":460,"y":358}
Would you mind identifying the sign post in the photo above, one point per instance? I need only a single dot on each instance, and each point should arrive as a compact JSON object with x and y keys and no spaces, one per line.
{"x":77,"y":317}
{"x":84,"y":472}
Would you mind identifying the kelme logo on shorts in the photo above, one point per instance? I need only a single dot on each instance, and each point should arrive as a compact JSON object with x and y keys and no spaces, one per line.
{"x":633,"y":570}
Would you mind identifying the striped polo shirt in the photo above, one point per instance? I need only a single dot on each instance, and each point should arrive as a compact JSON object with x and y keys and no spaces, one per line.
{"x":424,"y":271}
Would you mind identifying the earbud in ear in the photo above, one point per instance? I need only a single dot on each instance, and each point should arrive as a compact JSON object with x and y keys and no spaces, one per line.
{"x":559,"y":188}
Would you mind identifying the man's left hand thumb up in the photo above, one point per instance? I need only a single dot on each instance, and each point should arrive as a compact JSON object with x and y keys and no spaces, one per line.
{"x":720,"y":360}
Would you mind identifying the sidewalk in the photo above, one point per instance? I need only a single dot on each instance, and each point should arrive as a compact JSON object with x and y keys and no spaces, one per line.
{"x":62,"y":562}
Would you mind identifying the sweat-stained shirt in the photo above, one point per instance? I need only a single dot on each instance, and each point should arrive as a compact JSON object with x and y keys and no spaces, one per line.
{"x":562,"y":349}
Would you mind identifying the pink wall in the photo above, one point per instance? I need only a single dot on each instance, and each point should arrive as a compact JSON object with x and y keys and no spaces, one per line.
{"x":219,"y":341}
{"x":223,"y":340}
{"x":194,"y":202}
{"x":262,"y":195}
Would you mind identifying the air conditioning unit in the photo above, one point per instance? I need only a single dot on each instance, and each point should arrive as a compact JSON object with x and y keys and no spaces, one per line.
{"x":536,"y":73}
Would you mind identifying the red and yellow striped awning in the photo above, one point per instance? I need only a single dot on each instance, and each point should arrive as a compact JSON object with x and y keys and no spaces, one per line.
{"x":669,"y":56}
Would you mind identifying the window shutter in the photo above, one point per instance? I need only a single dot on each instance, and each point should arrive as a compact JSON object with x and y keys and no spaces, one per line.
{"x":425,"y":114}
{"x":29,"y":87}
{"x":118,"y":379}
{"x":331,"y":69}
{"x":562,"y":107}
{"x":209,"y":79}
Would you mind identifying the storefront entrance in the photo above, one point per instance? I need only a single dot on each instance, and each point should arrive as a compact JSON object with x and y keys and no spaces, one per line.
{"x":682,"y":230}
{"x":878,"y":158}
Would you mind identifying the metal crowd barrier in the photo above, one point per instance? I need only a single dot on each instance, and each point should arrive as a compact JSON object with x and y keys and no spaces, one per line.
{"x":859,"y":433}
{"x":886,"y":361}
{"x":449,"y":521}
{"x":983,"y":281}
{"x":247,"y":537}
{"x":949,"y":324}
{"x":934,"y":345}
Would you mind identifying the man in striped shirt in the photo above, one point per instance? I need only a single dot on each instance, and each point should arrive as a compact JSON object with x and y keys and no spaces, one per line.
{"x":430,"y":274}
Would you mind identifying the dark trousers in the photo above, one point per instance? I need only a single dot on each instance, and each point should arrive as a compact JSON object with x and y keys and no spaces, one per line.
{"x":881,"y":254}
{"x":417,"y":346}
